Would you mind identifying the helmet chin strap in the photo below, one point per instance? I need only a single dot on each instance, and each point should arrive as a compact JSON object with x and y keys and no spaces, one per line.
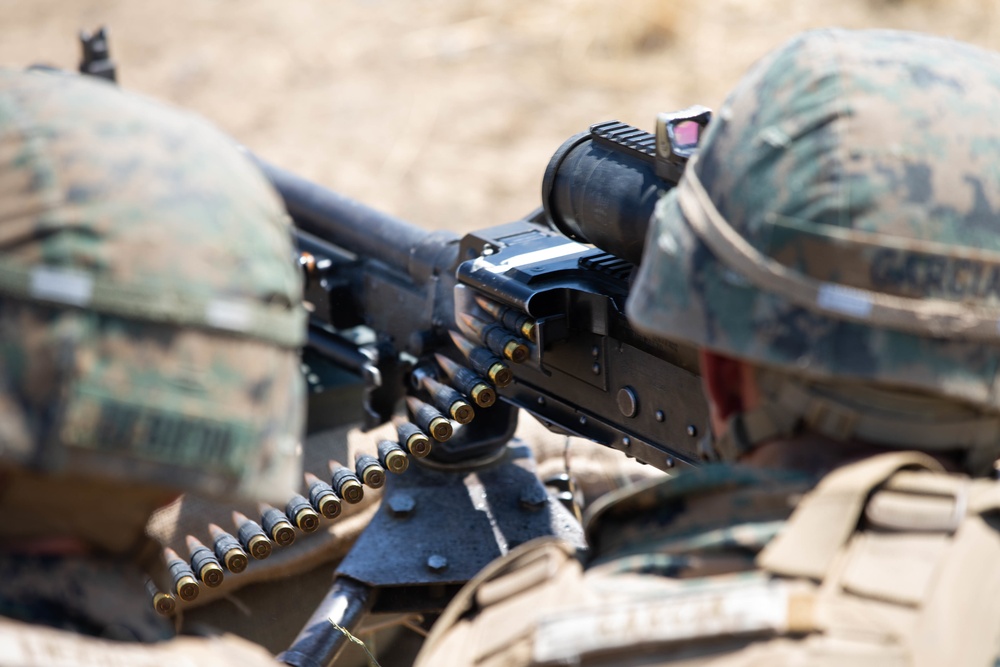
{"x":790,"y":406}
{"x":746,"y":430}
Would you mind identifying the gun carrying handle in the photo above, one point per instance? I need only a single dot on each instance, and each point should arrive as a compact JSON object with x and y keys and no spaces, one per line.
{"x":321,"y":640}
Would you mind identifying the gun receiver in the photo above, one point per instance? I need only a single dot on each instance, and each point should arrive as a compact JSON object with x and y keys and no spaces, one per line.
{"x":551,"y":288}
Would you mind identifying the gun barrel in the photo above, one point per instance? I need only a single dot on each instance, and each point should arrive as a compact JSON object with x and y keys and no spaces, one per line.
{"x":342,"y":352}
{"x":347,"y":223}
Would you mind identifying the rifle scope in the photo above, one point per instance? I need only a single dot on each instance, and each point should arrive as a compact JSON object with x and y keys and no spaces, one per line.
{"x":600,"y":187}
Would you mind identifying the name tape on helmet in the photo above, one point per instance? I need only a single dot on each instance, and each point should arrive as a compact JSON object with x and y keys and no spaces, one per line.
{"x":282,"y":324}
{"x":846,"y":300}
{"x":61,"y":285}
{"x":114,"y":426}
{"x":922,"y":316}
{"x":230,"y":315}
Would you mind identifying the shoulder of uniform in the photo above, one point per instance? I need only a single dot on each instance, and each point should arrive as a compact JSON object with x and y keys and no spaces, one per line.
{"x":661,"y":500}
{"x":514,"y":587}
{"x":28,"y":645}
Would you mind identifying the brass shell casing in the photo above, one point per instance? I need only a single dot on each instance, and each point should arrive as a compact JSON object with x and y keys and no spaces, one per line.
{"x":351,"y":491}
{"x":374,"y":477}
{"x":397,"y":462}
{"x":329,"y":506}
{"x":516,"y":352}
{"x":282,"y":533}
{"x":276,"y":525}
{"x":530,"y":330}
{"x":322,"y":497}
{"x":236,"y":561}
{"x":418,"y":445}
{"x":211,"y":574}
{"x":500,"y":375}
{"x":461,"y":412}
{"x":483,"y":395}
{"x":259,"y":546}
{"x":441,"y":429}
{"x":307,"y":520}
{"x":186,"y":588}
{"x":164,"y":604}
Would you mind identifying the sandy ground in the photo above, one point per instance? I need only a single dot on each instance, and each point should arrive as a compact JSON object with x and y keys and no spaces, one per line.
{"x":443,"y":112}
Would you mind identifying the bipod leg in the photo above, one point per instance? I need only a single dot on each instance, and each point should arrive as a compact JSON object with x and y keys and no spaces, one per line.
{"x":325,"y":634}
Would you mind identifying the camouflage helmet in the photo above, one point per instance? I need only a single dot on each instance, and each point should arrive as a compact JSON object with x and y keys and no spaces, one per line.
{"x":150,"y":312}
{"x":841,"y":224}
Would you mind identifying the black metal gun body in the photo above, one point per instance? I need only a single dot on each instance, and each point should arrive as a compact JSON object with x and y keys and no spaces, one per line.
{"x":589,"y":373}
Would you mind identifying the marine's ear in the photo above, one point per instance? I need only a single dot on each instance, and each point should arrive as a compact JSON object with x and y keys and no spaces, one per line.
{"x":726,"y":382}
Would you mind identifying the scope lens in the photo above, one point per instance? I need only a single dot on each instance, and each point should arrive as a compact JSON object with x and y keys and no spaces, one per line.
{"x":687,"y":133}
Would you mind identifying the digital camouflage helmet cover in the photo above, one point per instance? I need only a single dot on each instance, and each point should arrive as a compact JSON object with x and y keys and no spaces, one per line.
{"x":840,"y":225}
{"x":150,"y":312}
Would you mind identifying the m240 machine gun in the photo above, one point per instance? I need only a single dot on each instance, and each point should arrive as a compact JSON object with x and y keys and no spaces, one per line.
{"x":467,"y":330}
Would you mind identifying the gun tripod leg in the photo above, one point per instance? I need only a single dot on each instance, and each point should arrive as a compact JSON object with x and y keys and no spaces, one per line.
{"x":323,"y":637}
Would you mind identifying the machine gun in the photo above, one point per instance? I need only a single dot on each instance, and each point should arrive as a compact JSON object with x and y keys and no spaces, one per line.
{"x":529,"y":314}
{"x":385,"y":297}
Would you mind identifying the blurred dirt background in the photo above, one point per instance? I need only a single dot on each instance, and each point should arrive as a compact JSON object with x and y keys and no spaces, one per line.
{"x":443,"y":112}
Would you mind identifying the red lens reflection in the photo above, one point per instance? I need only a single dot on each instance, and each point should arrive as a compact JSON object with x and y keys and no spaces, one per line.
{"x":686,"y":133}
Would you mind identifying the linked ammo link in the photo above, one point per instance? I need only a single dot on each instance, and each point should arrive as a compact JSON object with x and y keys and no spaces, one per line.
{"x":276,"y":525}
{"x":511,"y":319}
{"x":415,"y":440}
{"x":346,"y":483}
{"x":251,"y":536}
{"x":300,"y":512}
{"x":181,"y":576}
{"x":206,"y":567}
{"x":392,"y":457}
{"x":448,"y":400}
{"x":500,"y":341}
{"x":228,"y":550}
{"x":483,"y":361}
{"x":467,"y":382}
{"x":428,"y":419}
{"x":369,"y":471}
{"x":322,"y":497}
